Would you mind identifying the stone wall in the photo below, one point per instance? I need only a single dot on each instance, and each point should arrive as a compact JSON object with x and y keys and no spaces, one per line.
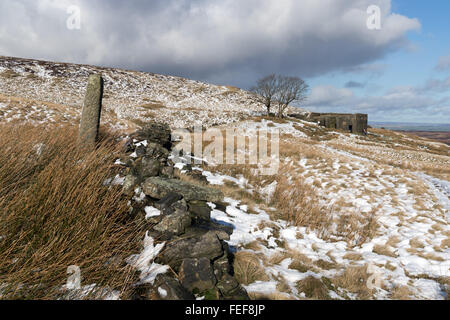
{"x":195,"y":246}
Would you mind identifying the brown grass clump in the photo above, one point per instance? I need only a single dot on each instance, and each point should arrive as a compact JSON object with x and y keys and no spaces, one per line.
{"x":298,"y":203}
{"x":357,"y":228}
{"x":353,"y":256}
{"x":299,"y":266}
{"x":401,"y":293}
{"x":384,"y":251}
{"x":416,"y":243}
{"x":393,"y":241}
{"x":56,"y":211}
{"x":248,"y":268}
{"x":313,"y":288}
{"x":445,"y":244}
{"x":354,"y":279}
{"x":326,"y":265}
{"x":254,"y":245}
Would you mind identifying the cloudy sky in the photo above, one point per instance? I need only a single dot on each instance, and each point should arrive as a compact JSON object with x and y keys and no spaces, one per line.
{"x":400,"y":72}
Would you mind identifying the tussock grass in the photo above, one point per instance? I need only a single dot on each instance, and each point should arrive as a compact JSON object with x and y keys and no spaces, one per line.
{"x":384,"y":250}
{"x":353,"y":256}
{"x":56,"y":211}
{"x":313,"y":288}
{"x":248,"y":268}
{"x":354,"y":279}
{"x":298,"y":203}
{"x":416,"y":243}
{"x":357,"y":228}
{"x":401,"y":293}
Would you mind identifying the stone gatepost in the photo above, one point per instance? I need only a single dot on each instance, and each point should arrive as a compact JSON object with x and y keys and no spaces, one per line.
{"x":90,"y":118}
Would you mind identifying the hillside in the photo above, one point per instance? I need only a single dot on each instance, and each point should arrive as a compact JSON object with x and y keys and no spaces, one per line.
{"x":42,"y":91}
{"x":346,"y":217}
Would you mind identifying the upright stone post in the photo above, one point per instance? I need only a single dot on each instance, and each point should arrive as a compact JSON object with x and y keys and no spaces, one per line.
{"x":90,"y":118}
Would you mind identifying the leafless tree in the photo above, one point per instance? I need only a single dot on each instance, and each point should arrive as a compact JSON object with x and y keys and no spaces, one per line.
{"x":266,"y":88}
{"x":289,"y":90}
{"x":280,"y":90}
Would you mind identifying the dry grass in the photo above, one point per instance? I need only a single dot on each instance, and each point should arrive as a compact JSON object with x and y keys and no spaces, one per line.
{"x":56,"y":212}
{"x":326,"y":265}
{"x":22,"y":106}
{"x":384,"y":250}
{"x":248,"y":268}
{"x":357,"y":228}
{"x":313,"y":288}
{"x":353,"y":256}
{"x":445,"y":244}
{"x":299,"y":265}
{"x":254,"y":246}
{"x":297,"y":203}
{"x":393,"y":241}
{"x":401,"y":293}
{"x":354,"y":279}
{"x":416,"y":243}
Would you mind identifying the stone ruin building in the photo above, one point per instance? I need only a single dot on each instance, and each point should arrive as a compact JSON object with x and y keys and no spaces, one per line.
{"x":353,"y":123}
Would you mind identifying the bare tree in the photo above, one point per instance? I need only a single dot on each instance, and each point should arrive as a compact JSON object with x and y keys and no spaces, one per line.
{"x":289,"y":90}
{"x":266,"y":88}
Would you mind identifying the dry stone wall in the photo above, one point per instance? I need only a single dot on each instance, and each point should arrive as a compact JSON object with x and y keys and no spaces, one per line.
{"x":196,"y":248}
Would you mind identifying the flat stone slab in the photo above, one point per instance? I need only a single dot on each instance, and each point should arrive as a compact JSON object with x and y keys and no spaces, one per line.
{"x":206,"y":246}
{"x":158,"y":188}
{"x":197,"y":274}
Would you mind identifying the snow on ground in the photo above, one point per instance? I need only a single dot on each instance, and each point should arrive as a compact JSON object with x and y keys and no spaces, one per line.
{"x":441,"y":190}
{"x":143,"y":262}
{"x":396,"y":270}
{"x":410,"y":247}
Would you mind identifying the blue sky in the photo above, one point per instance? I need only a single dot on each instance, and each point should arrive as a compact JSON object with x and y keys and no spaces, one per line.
{"x":399,"y":73}
{"x":409,"y":67}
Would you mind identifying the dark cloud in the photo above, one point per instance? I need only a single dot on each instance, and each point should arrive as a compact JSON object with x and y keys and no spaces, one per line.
{"x":355,"y":85}
{"x":226,"y":41}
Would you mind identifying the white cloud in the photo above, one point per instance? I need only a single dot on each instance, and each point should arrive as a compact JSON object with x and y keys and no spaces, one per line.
{"x":405,"y":103}
{"x":329,"y":96}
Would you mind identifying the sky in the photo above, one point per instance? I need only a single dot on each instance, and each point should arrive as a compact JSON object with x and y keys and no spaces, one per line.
{"x":399,"y":72}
